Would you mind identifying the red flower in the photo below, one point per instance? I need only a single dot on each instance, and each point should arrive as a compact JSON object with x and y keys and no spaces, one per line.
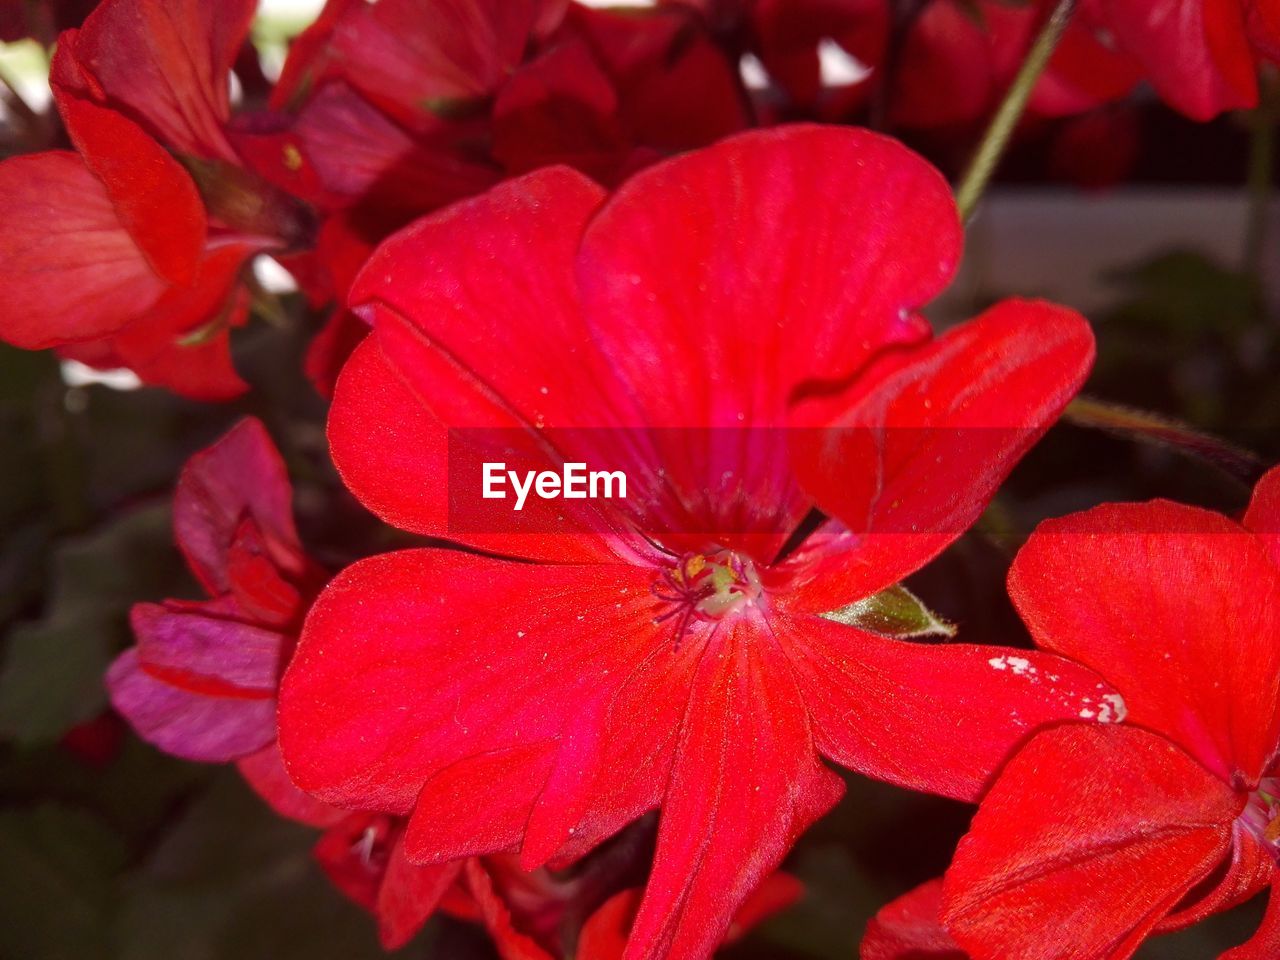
{"x":666,"y":655}
{"x":1200,"y":55}
{"x":201,"y":682}
{"x":957,"y":64}
{"x":1109,"y":834}
{"x":129,"y":252}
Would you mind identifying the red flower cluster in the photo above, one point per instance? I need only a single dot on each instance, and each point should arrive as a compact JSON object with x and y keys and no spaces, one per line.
{"x":543,"y":233}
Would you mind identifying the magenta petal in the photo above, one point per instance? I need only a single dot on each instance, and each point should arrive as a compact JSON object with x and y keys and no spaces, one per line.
{"x":188,"y":723}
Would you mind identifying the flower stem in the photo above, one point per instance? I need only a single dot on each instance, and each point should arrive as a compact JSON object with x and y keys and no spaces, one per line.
{"x":1160,"y":431}
{"x":1262,"y":158}
{"x":991,"y":149}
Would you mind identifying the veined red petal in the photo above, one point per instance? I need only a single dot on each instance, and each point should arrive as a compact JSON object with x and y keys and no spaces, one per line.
{"x":1176,"y":607}
{"x":717,"y":336}
{"x":184,"y":341}
{"x":1088,"y":838}
{"x":909,"y":928}
{"x":155,"y":199}
{"x":167,"y":63}
{"x":72,"y":272}
{"x":394,"y":678}
{"x":934,"y":430}
{"x":395,"y":455}
{"x":935,"y":717}
{"x":745,"y":783}
{"x":712,"y":333}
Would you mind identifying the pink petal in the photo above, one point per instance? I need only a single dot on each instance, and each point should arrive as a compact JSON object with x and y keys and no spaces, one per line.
{"x":208,"y":653}
{"x":186,"y":722}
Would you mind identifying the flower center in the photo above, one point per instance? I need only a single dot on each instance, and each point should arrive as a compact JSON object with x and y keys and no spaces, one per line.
{"x":1262,"y":815}
{"x":707,"y":587}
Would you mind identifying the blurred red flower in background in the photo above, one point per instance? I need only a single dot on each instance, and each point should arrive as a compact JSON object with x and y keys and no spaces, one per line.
{"x":644,"y":655}
{"x":1108,"y":834}
{"x":129,"y":251}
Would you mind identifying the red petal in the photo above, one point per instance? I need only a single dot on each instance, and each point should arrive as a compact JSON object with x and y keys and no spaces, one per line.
{"x":479,"y":804}
{"x":409,"y":895}
{"x":511,"y":943}
{"x":686,"y":316}
{"x":395,"y":675}
{"x":936,"y":429}
{"x":154,"y":197}
{"x":363,"y":856}
{"x":604,"y":935}
{"x":712,"y":333}
{"x":71,"y":270}
{"x":1195,"y":52}
{"x":264,"y":772}
{"x":746,"y":782}
{"x":1178,"y":609}
{"x":936,"y":717}
{"x":1094,"y":831}
{"x":331,"y":348}
{"x":167,"y":62}
{"x":241,"y":476}
{"x":412,"y":57}
{"x":909,"y":928}
{"x":1263,"y":516}
{"x":394,"y":454}
{"x":359,"y":154}
{"x":1265,"y":943}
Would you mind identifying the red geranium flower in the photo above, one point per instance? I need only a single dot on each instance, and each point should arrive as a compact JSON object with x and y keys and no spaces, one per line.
{"x":669,"y":652}
{"x":1108,"y":834}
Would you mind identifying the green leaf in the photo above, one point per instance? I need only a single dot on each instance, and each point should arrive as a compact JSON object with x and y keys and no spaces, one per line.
{"x":896,"y":612}
{"x":57,"y":871}
{"x":53,"y":668}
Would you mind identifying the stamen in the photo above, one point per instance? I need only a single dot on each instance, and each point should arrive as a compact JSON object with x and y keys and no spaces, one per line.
{"x":706,"y":587}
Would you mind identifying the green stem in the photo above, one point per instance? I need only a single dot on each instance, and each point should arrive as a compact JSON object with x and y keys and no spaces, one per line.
{"x":991,"y":149}
{"x":1159,"y":431}
{"x":1262,"y":158}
